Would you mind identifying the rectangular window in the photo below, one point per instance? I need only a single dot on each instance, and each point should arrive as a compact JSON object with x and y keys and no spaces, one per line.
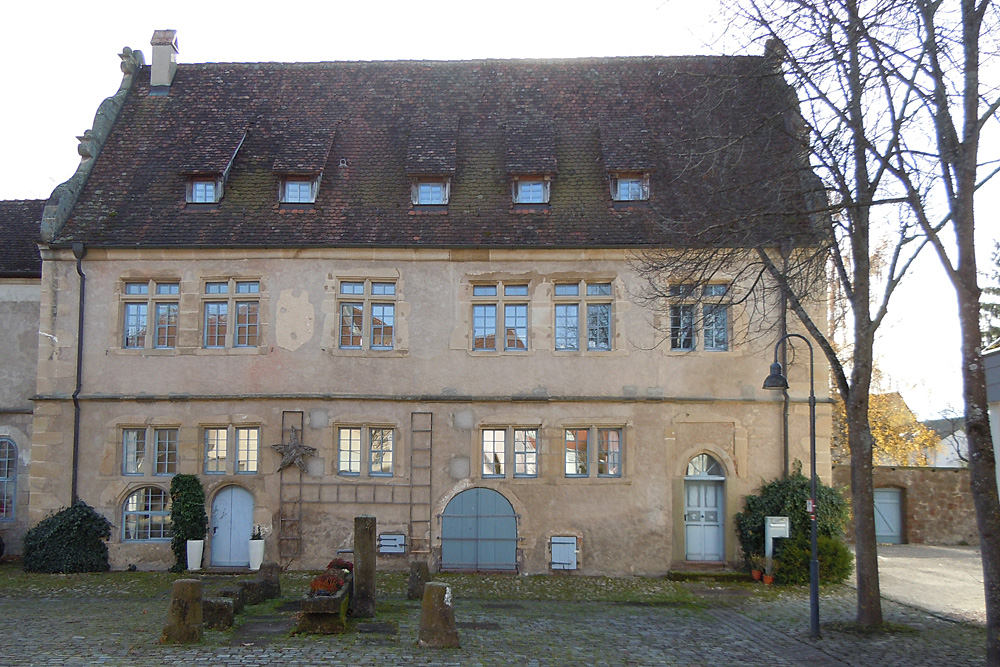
{"x":567,"y":326}
{"x":133,"y":450}
{"x":246,"y":323}
{"x":531,"y":191}
{"x":715,"y":323}
{"x":598,"y":326}
{"x":494,"y":441}
{"x":383,"y":315}
{"x":203,"y":192}
{"x":430,"y":192}
{"x":247,"y":449}
{"x":135,"y":325}
{"x":299,"y":191}
{"x":166,"y":325}
{"x":351,"y":322}
{"x":682,"y":327}
{"x":525,"y":452}
{"x":216,"y":332}
{"x":630,"y":186}
{"x":134,"y":289}
{"x":349,"y":451}
{"x":515,"y":324}
{"x":216,"y":450}
{"x":484,"y":327}
{"x":216,"y":323}
{"x":165,"y":440}
{"x":609,"y":452}
{"x":576,"y":452}
{"x":363,"y":321}
{"x":380,"y":451}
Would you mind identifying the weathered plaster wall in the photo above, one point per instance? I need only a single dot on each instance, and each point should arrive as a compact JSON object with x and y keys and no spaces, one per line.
{"x":19,"y":300}
{"x":670,"y":405}
{"x":936,"y":502}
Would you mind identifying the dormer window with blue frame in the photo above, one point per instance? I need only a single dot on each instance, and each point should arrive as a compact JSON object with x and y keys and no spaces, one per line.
{"x":299,"y":189}
{"x":430,"y":191}
{"x":531,"y":190}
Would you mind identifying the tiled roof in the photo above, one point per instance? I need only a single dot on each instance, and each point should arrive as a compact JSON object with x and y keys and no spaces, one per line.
{"x":712,"y":131}
{"x":20,"y":220}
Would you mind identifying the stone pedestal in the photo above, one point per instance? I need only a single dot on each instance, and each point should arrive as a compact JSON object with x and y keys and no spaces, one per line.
{"x":270,"y":577}
{"x":437,"y":617}
{"x":184,"y":616}
{"x":419,"y":575}
{"x":363,"y":605}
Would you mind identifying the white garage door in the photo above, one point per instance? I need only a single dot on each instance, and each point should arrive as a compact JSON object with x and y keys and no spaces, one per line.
{"x":888,"y":516}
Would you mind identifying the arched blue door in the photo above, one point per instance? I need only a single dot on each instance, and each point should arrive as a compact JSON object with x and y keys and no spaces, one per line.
{"x":232,"y":523}
{"x":479,"y":532}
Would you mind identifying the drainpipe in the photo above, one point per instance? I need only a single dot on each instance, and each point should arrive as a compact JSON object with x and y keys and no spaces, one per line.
{"x":784,"y":364}
{"x":79,"y":251}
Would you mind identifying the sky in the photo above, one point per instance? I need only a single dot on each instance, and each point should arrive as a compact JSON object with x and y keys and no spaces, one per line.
{"x":58,"y":61}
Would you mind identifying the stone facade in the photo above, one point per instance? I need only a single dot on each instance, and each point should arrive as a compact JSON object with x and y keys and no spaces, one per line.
{"x":937,"y":503}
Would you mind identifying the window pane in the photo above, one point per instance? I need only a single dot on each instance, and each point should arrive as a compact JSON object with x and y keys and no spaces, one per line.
{"x":525,"y":453}
{"x":576,"y":452}
{"x":484,"y":290}
{"x":484,"y":327}
{"x":216,"y":450}
{"x":515,"y":290}
{"x":248,"y":287}
{"x":135,"y":325}
{"x":247,"y":448}
{"x":351,"y":316}
{"x":383,"y":315}
{"x":629,"y":189}
{"x":567,"y":327}
{"x":609,"y":452}
{"x":352,"y":288}
{"x":298,"y":192}
{"x":247,"y":323}
{"x":530,"y":192}
{"x":430,"y":193}
{"x":166,"y":325}
{"x":216,"y":323}
{"x":682,"y":291}
{"x":217,"y":288}
{"x":599,"y":326}
{"x":8,"y":478}
{"x":137,"y":288}
{"x":568,"y":290}
{"x":350,"y":451}
{"x":715,"y":320}
{"x":133,"y":450}
{"x":682,"y":327}
{"x":716,"y":290}
{"x":168,"y":288}
{"x":146,"y":515}
{"x":515,"y":323}
{"x":203,"y":192}
{"x":598,"y":289}
{"x":383,"y":289}
{"x":380,"y":462}
{"x":493,"y":452}
{"x":166,"y":451}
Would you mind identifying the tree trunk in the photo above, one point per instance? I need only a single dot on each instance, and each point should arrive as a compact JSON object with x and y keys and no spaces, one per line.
{"x":861,"y":442}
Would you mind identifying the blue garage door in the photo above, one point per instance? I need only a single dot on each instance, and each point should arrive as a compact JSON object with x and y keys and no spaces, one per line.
{"x":888,"y":516}
{"x":479,"y":532}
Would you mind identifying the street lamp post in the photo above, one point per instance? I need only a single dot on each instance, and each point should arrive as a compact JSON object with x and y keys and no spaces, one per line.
{"x":776,"y":380}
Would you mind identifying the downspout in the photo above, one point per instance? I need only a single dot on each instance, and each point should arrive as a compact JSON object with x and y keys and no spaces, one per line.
{"x":784,"y":364}
{"x":79,"y":251}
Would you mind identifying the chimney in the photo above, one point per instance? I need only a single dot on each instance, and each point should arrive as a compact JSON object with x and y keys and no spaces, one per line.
{"x":164,"y":43}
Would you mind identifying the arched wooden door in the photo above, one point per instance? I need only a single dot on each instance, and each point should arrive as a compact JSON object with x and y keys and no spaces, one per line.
{"x":232,"y":523}
{"x":704,"y":493}
{"x":479,"y":532}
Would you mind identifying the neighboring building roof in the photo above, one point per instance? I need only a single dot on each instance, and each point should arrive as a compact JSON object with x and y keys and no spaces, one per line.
{"x":19,"y":235}
{"x":716,"y":134}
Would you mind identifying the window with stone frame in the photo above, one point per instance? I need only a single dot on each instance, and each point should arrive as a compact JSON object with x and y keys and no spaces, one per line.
{"x":222,"y":458}
{"x":142,"y":298}
{"x":507,"y":449}
{"x":367,"y":310}
{"x":221,"y":300}
{"x":146,"y":515}
{"x":365,"y":449}
{"x":500,"y":316}
{"x":8,"y":479}
{"x":593,"y":451}
{"x":135,"y":461}
{"x":710,"y":302}
{"x":592,"y":300}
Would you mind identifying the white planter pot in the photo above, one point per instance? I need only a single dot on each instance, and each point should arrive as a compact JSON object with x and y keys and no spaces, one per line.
{"x":256,"y":554}
{"x":195,"y":548}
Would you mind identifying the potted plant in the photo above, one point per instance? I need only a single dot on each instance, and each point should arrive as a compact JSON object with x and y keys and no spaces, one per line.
{"x":256,"y":547}
{"x":757,"y":564}
{"x":190,"y":522}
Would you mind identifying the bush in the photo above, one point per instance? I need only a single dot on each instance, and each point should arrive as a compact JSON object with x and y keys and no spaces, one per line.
{"x":71,"y":540}
{"x":328,"y":583}
{"x":787,"y":497}
{"x":836,"y":562}
{"x":188,"y":516}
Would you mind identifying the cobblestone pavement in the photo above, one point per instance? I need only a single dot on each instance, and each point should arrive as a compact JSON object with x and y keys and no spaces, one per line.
{"x":724,"y":625}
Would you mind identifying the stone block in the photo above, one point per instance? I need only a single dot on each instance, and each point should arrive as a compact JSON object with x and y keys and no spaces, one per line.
{"x":324,"y":614}
{"x":363,"y":602}
{"x":437,"y":617}
{"x":218,"y":613}
{"x":419,"y":576}
{"x":184,"y":615}
{"x":237,"y":595}
{"x":253,"y":591}
{"x":269,"y":577}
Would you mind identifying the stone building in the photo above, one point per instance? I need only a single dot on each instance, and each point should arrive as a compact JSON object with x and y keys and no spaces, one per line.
{"x":409,"y":290}
{"x":20,"y":278}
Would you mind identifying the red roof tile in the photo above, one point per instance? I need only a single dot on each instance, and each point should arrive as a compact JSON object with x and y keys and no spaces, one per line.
{"x":20,"y":222}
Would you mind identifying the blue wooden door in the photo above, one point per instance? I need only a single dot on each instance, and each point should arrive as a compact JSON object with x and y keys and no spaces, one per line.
{"x":888,"y":516}
{"x":232,"y":523}
{"x":479,"y":532}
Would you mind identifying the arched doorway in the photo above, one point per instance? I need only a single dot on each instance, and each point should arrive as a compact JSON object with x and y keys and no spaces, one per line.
{"x":232,"y":523}
{"x":479,"y":532}
{"x":704,"y":494}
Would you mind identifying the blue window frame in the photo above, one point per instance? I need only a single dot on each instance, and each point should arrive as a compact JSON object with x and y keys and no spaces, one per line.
{"x":146,"y":516}
{"x":8,"y":479}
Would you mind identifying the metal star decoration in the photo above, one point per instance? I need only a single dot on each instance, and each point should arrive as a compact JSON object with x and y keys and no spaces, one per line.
{"x":293,"y":451}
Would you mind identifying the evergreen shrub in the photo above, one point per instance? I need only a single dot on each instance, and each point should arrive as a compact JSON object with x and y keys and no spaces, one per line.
{"x":187,"y":516}
{"x":71,"y":540}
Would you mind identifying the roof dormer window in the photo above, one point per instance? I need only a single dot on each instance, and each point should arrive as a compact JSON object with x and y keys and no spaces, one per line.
{"x":430,"y":191}
{"x":531,"y":190}
{"x":204,"y":190}
{"x":299,"y":189}
{"x":630,"y":186}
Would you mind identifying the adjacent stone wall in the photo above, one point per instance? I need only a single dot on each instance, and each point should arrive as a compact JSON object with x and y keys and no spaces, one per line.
{"x":936,"y":502}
